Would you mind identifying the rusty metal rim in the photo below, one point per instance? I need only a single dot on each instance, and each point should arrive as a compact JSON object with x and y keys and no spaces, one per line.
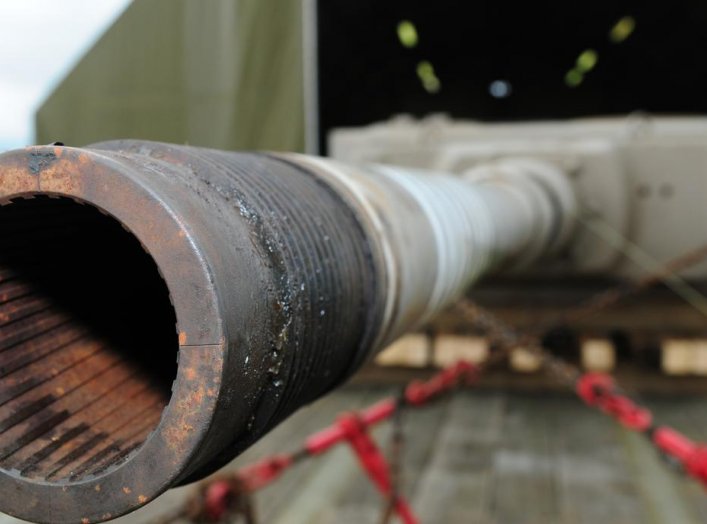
{"x":97,"y":180}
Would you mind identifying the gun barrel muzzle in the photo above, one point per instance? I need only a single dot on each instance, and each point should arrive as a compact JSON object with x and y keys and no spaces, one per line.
{"x":162,"y":307}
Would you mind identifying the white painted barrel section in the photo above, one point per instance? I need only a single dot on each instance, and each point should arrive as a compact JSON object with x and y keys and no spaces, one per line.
{"x":437,"y":233}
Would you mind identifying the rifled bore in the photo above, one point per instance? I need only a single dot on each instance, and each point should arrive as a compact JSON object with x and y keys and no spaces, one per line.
{"x":88,"y":345}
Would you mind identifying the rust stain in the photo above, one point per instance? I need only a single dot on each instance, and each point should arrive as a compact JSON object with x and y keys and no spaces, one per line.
{"x":198,"y":397}
{"x":47,"y":170}
{"x":61,"y":177}
{"x":190,"y":409}
{"x":16,"y":179}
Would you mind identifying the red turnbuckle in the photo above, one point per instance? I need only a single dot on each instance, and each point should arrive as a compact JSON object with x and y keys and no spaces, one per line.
{"x":599,"y":390}
{"x":373,"y":462}
{"x":353,"y":428}
{"x":217,"y":499}
{"x":692,"y":456}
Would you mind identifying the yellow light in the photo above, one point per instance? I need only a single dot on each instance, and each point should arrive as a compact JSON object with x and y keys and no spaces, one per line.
{"x":426,"y":74}
{"x":573,"y":78}
{"x":407,"y":33}
{"x":587,"y":60}
{"x":622,"y":29}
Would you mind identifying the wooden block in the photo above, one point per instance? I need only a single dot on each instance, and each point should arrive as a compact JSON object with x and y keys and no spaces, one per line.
{"x":677,"y":356}
{"x":700,"y":357}
{"x":524,"y":360}
{"x":449,"y":349}
{"x":684,"y":356}
{"x":408,"y":351}
{"x":598,"y":354}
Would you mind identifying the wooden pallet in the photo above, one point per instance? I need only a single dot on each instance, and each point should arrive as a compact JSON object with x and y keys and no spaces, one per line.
{"x":678,"y":356}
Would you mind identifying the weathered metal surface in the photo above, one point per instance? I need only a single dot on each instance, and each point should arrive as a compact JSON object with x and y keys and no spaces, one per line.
{"x":271,"y":285}
{"x":271,"y":279}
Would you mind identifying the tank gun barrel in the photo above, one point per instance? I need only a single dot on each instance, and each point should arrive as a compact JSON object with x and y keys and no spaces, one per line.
{"x":282,"y":273}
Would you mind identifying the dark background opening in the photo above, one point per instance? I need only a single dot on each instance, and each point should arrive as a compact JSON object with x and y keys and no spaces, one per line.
{"x":509,"y":61}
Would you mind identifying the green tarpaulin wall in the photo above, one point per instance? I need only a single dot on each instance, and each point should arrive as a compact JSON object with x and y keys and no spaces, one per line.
{"x":217,"y":73}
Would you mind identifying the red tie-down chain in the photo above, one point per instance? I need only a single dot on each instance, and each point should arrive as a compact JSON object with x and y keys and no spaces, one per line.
{"x":599,"y":390}
{"x":229,"y":495}
{"x":354,"y":429}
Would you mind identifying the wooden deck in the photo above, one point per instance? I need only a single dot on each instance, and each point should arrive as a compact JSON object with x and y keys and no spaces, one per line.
{"x":484,"y":457}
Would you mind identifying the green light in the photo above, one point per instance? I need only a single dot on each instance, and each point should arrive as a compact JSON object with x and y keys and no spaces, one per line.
{"x":587,"y":60}
{"x":426,"y":74}
{"x":622,"y":29}
{"x":574,"y":78}
{"x":407,"y":33}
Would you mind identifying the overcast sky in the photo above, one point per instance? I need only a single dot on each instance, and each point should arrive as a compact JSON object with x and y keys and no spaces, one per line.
{"x":40,"y":41}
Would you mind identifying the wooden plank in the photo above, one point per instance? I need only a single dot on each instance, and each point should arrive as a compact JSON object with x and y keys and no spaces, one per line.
{"x":524,"y":484}
{"x":701,"y":358}
{"x":684,"y":356}
{"x":449,"y":349}
{"x":336,"y":470}
{"x":594,"y":477}
{"x":677,"y":356}
{"x":455,"y":485}
{"x":662,"y":498}
{"x":598,"y":354}
{"x":408,"y":351}
{"x":523,"y":360}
